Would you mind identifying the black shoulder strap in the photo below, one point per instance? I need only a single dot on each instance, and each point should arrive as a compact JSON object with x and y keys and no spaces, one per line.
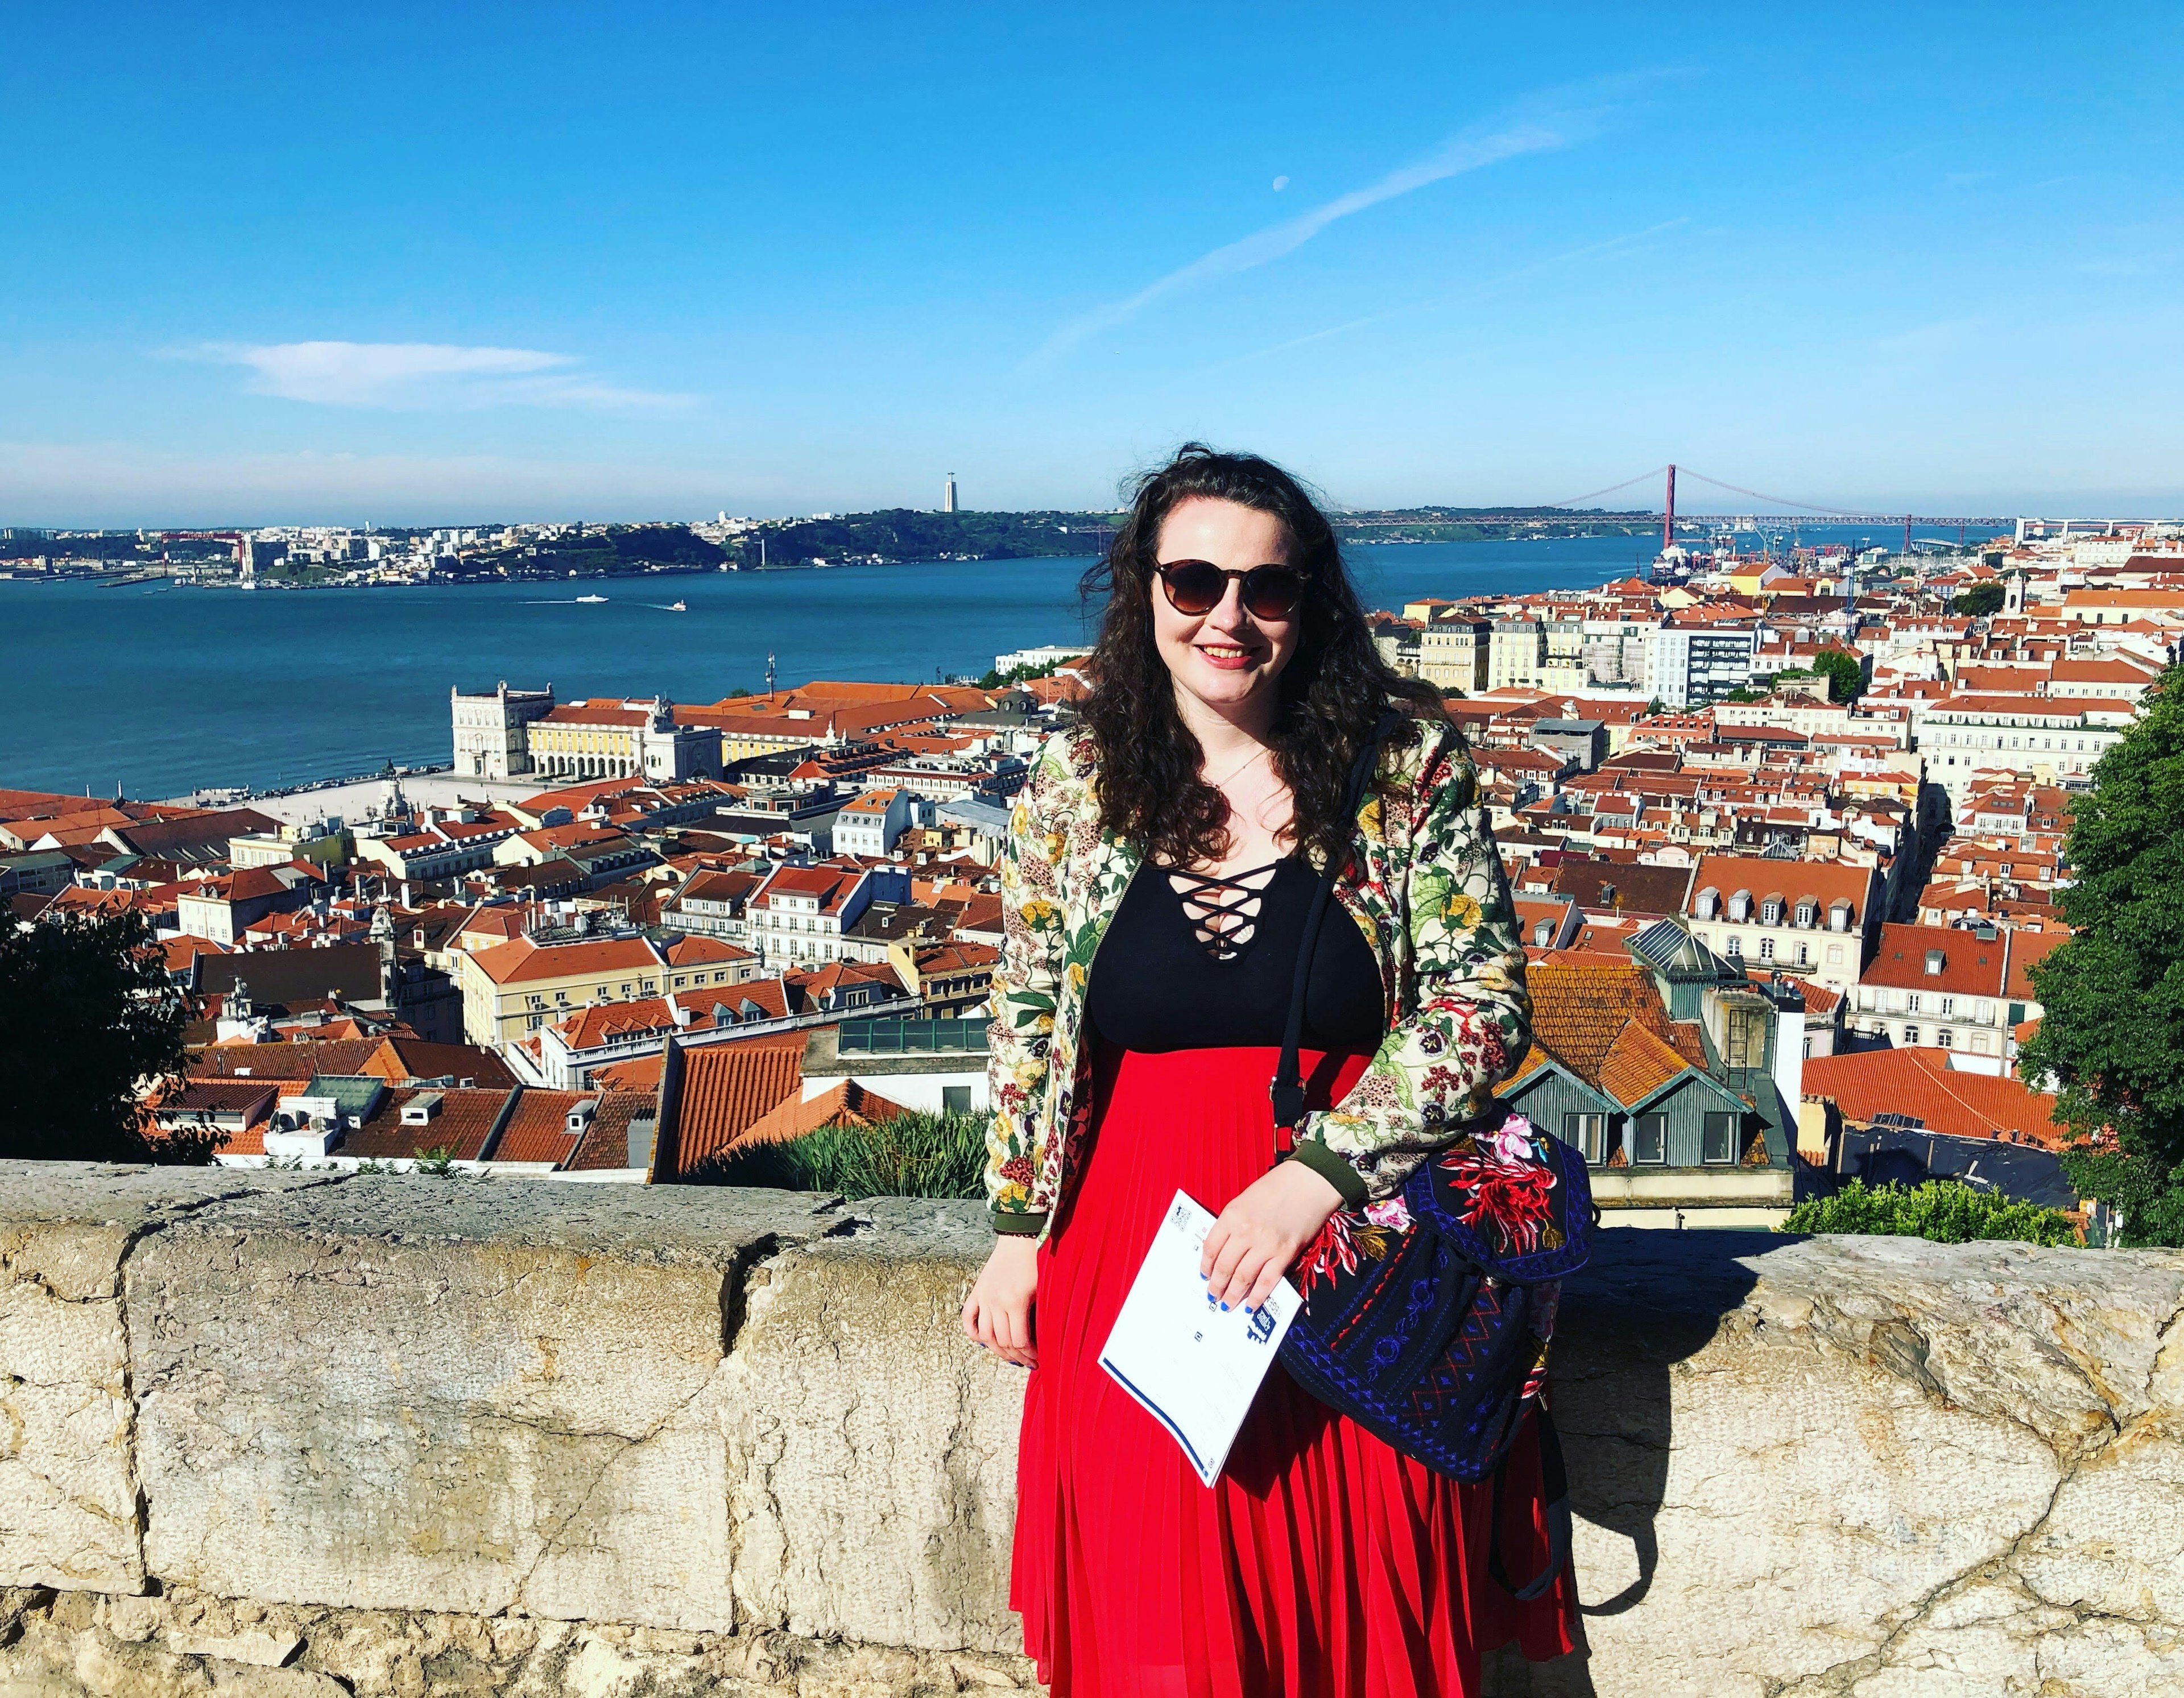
{"x":1554,"y":1496}
{"x":1287,"y":1086}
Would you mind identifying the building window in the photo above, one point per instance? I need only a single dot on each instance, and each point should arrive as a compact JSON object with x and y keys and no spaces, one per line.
{"x":955,"y":1099}
{"x":1911,"y":1036}
{"x":1650,"y":1138}
{"x":1945,"y":1038}
{"x":1588,"y":1134}
{"x":1735,"y":947}
{"x":1718,"y":1141}
{"x":1766,"y":949}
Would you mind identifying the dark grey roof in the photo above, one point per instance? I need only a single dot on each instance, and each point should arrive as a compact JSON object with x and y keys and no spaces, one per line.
{"x":350,"y":971}
{"x":2022,"y":1171}
{"x":1642,"y":889}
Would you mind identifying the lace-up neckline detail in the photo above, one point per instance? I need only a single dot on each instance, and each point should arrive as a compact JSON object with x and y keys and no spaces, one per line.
{"x":1223,"y":911}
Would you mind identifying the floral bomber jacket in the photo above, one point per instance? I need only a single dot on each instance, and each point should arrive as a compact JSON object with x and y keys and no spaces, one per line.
{"x":1428,"y":893}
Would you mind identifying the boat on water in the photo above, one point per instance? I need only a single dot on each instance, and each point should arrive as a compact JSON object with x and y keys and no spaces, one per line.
{"x":678,"y":607}
{"x":590,"y":598}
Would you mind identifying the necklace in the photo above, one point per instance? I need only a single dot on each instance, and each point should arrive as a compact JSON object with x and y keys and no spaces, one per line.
{"x":1222,"y":782}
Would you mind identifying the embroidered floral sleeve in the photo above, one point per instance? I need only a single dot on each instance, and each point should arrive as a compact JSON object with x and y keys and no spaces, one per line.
{"x":1464,"y":1018}
{"x":1019,"y":1040}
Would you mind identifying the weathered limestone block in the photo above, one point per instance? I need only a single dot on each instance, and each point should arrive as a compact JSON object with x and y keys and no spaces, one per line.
{"x":873,"y":1445}
{"x":1872,"y":1466}
{"x":459,"y":1396}
{"x":77,"y":1646}
{"x":67,"y":1486}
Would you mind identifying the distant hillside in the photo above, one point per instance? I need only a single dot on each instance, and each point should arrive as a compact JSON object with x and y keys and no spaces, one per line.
{"x":903,"y":533}
{"x":597,"y":551}
{"x":1485,"y":524}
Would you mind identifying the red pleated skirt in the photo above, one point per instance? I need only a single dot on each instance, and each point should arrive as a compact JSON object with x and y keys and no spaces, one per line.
{"x":1323,"y":1563}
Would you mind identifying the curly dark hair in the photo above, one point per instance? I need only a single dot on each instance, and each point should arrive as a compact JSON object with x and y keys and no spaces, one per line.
{"x":1332,"y":692}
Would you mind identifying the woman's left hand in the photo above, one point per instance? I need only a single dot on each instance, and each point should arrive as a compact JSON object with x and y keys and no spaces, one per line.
{"x":1262,"y":1232}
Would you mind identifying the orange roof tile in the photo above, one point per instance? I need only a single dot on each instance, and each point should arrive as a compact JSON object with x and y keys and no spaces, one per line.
{"x":460,"y":1122}
{"x":2026,"y":949}
{"x":848,"y":1104}
{"x":725,"y":1086}
{"x":1920,"y":1083}
{"x":538,"y":1129}
{"x":1970,"y":966}
{"x":640,"y":1074}
{"x":1579,"y":1010}
{"x":697,"y":951}
{"x":513,"y":963}
{"x":1637,"y":1064}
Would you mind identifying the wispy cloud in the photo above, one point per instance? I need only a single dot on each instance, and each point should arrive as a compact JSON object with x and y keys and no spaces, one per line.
{"x":421,"y":376}
{"x":1467,"y":153}
{"x":1555,"y":118}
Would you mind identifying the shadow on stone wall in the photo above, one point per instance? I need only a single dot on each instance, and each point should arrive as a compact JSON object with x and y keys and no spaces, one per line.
{"x":1650,"y":1300}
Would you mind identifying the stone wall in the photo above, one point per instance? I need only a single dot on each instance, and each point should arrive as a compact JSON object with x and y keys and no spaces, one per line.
{"x":285,"y":1433}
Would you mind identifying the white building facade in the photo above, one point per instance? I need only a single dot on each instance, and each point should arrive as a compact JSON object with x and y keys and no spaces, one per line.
{"x":490,"y":739}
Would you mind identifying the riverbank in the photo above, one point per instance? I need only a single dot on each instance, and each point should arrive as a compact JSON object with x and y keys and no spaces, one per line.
{"x":162,"y":693}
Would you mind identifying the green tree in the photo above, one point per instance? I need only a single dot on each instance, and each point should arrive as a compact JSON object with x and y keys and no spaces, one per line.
{"x":1980,"y":600}
{"x":1845,"y":673}
{"x":1945,"y":1210}
{"x":89,"y":1019}
{"x":2112,"y":1035}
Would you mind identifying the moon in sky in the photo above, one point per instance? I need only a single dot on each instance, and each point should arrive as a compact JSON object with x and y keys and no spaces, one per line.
{"x":1280,"y":183}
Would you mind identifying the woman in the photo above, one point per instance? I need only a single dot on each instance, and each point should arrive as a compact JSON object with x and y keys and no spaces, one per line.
{"x":1160,"y":861}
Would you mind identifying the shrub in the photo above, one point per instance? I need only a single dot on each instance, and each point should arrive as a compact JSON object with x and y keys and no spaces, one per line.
{"x":912,"y":1155}
{"x":1945,"y":1210}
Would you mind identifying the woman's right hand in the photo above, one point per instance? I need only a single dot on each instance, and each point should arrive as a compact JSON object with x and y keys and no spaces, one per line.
{"x":997,"y":1314}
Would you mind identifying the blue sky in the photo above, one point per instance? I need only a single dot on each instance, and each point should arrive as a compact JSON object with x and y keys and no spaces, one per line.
{"x":399,"y":265}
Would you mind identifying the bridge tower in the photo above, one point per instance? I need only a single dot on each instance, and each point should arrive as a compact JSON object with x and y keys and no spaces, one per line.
{"x":1669,"y":521}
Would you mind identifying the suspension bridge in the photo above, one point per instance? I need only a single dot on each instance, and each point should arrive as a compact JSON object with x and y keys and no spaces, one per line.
{"x":1775,"y":512}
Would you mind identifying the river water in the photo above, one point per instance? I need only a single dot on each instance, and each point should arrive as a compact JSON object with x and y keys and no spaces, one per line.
{"x":161,"y":690}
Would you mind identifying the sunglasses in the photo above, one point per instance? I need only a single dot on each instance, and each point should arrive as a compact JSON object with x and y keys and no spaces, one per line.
{"x":1195,"y":588}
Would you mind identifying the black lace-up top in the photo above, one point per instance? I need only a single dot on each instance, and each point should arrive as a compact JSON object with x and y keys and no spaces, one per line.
{"x":1196,"y":962}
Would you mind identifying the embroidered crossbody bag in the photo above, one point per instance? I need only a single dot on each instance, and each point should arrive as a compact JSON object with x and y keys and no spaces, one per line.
{"x":1426,"y":1317}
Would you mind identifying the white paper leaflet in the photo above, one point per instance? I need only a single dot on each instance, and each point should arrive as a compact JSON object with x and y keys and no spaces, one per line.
{"x":1195,"y":1368}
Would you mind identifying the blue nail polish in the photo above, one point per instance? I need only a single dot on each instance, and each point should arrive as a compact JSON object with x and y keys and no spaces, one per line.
{"x":1224,"y":1308}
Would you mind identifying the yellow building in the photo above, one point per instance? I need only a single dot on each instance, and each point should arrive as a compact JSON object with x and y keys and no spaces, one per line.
{"x":513,"y":989}
{"x":1453,"y":652}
